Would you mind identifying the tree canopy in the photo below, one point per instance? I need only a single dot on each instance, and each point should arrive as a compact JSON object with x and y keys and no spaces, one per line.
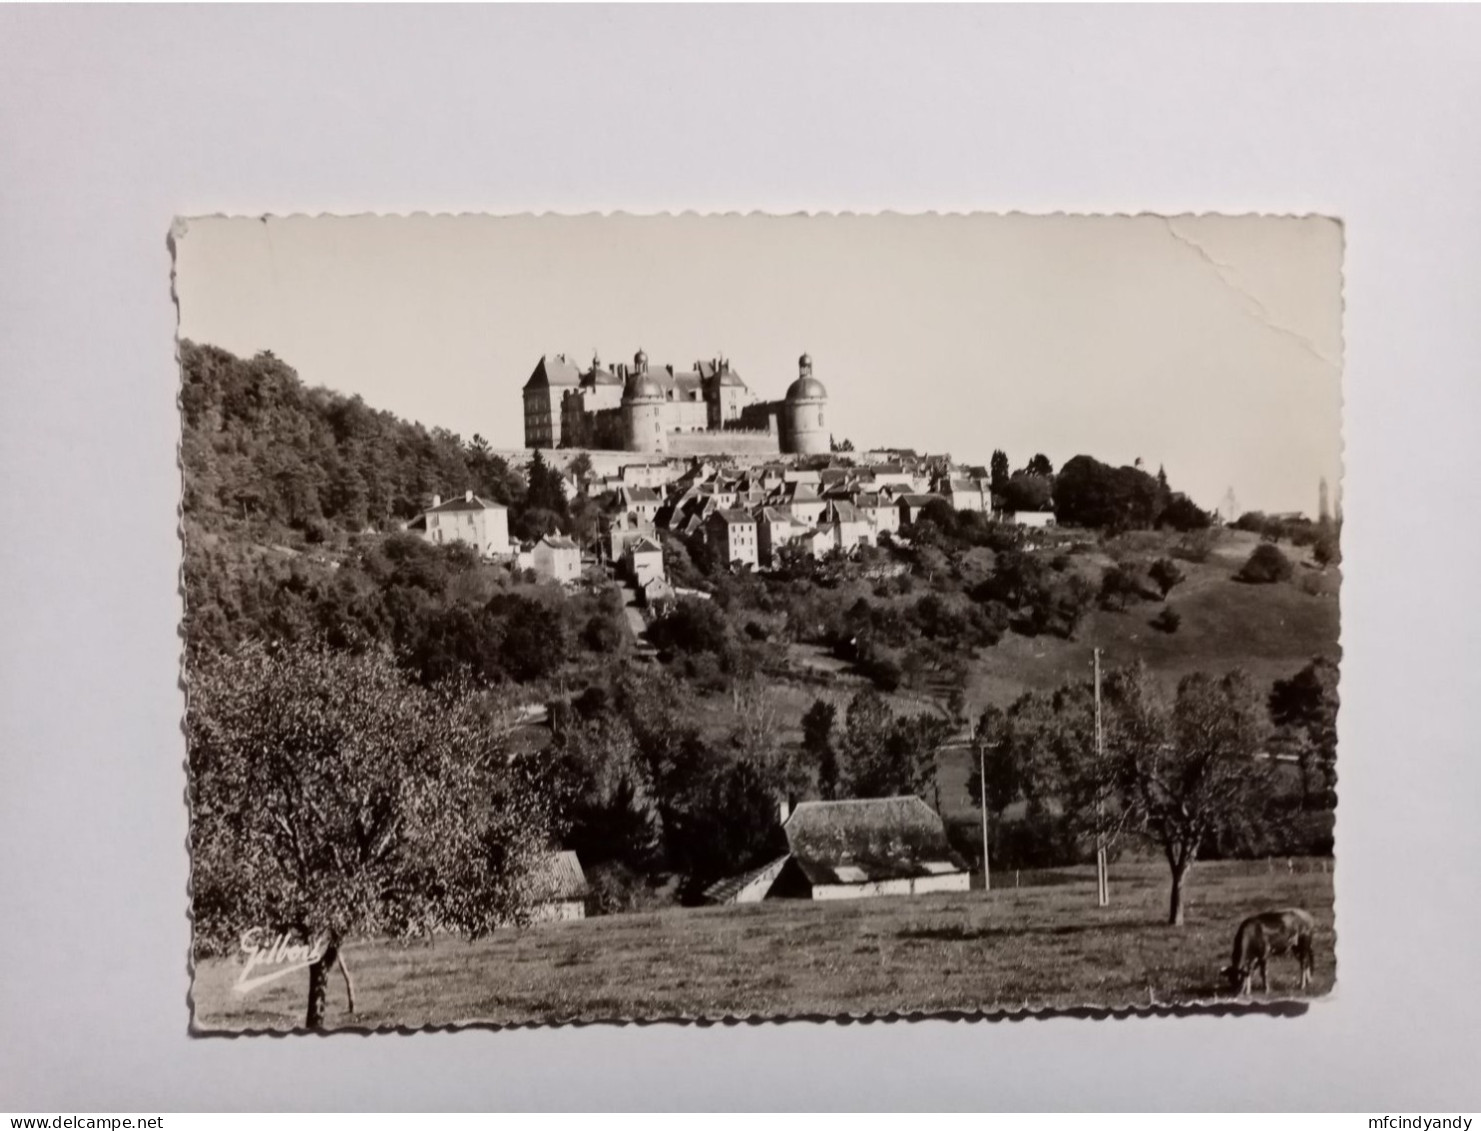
{"x":331,"y":796}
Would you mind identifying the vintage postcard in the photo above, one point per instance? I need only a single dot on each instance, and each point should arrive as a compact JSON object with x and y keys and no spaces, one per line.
{"x":619,"y":618}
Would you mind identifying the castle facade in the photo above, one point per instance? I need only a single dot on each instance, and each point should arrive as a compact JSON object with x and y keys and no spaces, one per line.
{"x":705,"y":410}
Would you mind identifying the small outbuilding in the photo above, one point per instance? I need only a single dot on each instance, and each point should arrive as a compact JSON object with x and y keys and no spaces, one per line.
{"x":561,"y":889}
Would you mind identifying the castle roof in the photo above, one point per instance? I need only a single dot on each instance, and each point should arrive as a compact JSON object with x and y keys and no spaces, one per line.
{"x":553,"y":371}
{"x":600,"y":376}
{"x":806,"y":388}
{"x":642,"y":385}
{"x":732,"y":515}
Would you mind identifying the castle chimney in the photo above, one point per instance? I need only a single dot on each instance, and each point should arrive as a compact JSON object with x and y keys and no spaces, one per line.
{"x":783,"y":809}
{"x":467,"y":496}
{"x":436,"y":501}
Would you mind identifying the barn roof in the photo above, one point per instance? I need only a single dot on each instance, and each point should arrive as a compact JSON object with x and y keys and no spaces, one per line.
{"x":559,"y":876}
{"x":870,"y":839}
{"x":725,"y":891}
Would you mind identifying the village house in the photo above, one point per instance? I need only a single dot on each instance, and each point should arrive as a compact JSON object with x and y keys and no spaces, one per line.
{"x":966,"y":495}
{"x":1029,"y":518}
{"x":910,"y":506}
{"x":622,"y":529}
{"x":652,"y":475}
{"x":775,"y":527}
{"x":880,"y":511}
{"x":815,"y":541}
{"x":641,"y":502}
{"x":893,"y":475}
{"x":470,"y":520}
{"x":658,"y":594}
{"x":733,"y":535}
{"x":803,"y":500}
{"x":849,"y":527}
{"x":644,"y":561}
{"x":556,"y":558}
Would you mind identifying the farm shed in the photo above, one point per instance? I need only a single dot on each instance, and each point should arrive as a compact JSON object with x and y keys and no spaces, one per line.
{"x":561,"y":887}
{"x":749,"y":887}
{"x":868,"y":847}
{"x":854,"y":850}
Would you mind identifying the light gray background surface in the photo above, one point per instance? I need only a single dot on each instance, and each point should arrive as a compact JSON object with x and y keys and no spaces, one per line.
{"x":113,"y":121}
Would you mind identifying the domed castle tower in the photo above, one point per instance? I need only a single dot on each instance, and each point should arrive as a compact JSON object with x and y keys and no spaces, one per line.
{"x":803,"y":431}
{"x":642,"y":410}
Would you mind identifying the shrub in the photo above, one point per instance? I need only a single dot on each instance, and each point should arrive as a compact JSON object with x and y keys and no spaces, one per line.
{"x":1267,"y":564}
{"x":1119,"y":586}
{"x":1165,"y":574}
{"x":1181,"y":513}
{"x":884,"y":671}
{"x":603,"y":633}
{"x":616,"y":889}
{"x":1195,"y":547}
{"x":1168,"y":620}
{"x":692,"y":626}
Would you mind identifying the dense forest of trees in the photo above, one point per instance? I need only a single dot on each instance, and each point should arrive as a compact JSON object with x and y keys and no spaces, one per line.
{"x":262,"y":450}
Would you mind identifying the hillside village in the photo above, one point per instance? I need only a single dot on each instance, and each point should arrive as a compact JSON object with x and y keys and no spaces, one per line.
{"x":752,"y":515}
{"x":735,"y":678}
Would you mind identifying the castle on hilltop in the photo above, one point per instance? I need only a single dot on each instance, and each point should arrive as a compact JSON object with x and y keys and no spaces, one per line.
{"x":706,"y":410}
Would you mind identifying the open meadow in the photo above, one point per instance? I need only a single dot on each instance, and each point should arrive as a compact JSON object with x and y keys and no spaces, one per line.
{"x":1041,"y":946}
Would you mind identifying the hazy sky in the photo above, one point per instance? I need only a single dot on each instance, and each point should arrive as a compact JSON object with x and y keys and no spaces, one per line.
{"x":1209,"y":344}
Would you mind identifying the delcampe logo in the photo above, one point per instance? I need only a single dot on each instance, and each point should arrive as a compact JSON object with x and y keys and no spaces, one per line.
{"x":277,"y":951}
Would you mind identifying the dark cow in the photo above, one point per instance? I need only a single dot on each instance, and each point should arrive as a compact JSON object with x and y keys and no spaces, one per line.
{"x":1270,"y":933}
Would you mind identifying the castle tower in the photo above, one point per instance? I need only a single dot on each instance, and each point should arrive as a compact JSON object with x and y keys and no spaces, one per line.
{"x":643,"y":410}
{"x":804,"y":431}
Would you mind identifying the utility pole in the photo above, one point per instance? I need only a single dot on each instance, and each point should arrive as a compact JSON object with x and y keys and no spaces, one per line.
{"x":1102,"y":880}
{"x":982,"y":782}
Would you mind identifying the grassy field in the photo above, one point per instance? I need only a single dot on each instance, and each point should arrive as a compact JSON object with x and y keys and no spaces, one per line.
{"x":1044,"y":945}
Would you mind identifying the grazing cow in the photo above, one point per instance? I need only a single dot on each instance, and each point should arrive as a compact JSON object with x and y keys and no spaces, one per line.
{"x":1270,"y":933}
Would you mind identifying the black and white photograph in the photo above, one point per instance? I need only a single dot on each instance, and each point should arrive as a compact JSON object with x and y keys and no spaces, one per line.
{"x":698,"y":617}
